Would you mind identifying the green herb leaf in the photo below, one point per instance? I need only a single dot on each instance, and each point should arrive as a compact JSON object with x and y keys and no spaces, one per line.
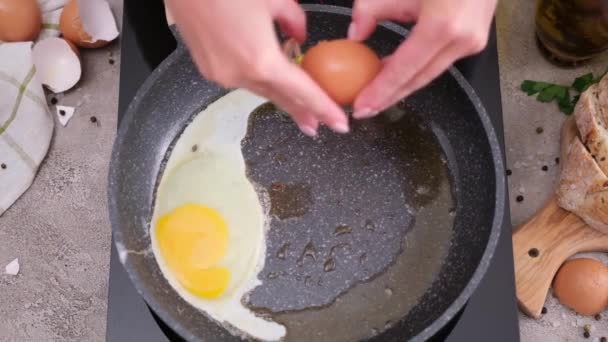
{"x":566,"y":106}
{"x":551,"y":93}
{"x":533,"y":87}
{"x":582,"y":83}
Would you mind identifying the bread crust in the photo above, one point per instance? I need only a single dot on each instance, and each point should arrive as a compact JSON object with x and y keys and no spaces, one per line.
{"x":583,"y":181}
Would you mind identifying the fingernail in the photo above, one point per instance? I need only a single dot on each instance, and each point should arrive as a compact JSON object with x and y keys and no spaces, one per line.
{"x":311,"y":132}
{"x":364,"y":113}
{"x":341,"y":127}
{"x":352,"y":31}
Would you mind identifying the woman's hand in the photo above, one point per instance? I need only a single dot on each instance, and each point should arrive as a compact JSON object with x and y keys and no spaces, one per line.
{"x":234,"y":44}
{"x":445,"y":31}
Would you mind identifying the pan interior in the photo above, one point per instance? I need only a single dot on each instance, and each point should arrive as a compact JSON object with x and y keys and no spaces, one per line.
{"x":175,"y":92}
{"x":360,"y":223}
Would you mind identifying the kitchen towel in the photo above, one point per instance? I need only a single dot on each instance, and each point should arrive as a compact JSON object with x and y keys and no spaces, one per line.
{"x":26,"y":124}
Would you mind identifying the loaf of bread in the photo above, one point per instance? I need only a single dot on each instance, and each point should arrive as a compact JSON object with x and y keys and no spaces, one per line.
{"x":583,"y":182}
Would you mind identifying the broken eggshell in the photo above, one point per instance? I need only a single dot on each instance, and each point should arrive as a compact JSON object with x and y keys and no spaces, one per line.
{"x":88,"y":23}
{"x":57,"y":64}
{"x":12,"y":268}
{"x":64,"y":114}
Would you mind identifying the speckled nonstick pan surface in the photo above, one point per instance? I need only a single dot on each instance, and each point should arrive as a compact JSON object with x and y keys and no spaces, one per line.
{"x":380,"y":234}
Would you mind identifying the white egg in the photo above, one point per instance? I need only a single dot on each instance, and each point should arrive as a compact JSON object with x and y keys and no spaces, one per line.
{"x":206,"y":167}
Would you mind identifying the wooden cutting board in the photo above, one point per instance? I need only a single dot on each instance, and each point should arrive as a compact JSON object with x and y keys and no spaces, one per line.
{"x":541,"y":246}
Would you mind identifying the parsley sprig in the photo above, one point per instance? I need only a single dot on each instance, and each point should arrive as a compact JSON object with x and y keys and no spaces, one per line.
{"x":550,"y":92}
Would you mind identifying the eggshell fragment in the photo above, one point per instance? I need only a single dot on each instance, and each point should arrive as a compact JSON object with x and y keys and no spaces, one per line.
{"x":12,"y":268}
{"x":64,"y":114}
{"x":20,"y":20}
{"x":582,"y":285}
{"x":57,"y":64}
{"x":88,"y":23}
{"x":342,"y":68}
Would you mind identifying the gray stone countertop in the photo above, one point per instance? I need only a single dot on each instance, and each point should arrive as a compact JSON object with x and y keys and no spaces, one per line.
{"x":60,"y":232}
{"x":528,"y":151}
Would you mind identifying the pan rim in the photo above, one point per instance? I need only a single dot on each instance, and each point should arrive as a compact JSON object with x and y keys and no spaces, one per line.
{"x":497,"y":158}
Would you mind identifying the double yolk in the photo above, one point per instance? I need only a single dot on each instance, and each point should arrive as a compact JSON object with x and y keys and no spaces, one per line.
{"x":193,"y":239}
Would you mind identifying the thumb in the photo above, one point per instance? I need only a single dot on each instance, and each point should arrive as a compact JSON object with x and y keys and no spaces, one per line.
{"x":367,"y":13}
{"x":363,"y":20}
{"x":291,"y":18}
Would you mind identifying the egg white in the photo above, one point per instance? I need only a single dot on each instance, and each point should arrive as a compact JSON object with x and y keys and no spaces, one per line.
{"x":214,"y":175}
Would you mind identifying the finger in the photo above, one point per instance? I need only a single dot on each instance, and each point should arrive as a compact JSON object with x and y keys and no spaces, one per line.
{"x":436,"y":66}
{"x":290,"y":17}
{"x":305,"y":96}
{"x":307,"y":123}
{"x":411,"y":57}
{"x":366,"y":15}
{"x":440,"y":63}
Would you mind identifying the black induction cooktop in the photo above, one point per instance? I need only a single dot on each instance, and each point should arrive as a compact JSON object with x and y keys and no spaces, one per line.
{"x":491,"y":313}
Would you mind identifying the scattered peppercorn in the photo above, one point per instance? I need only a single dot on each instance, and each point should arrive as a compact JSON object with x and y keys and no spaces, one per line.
{"x":93,"y":119}
{"x":519,"y":198}
{"x":545,"y":168}
{"x":603,"y":159}
{"x":194,"y":148}
{"x":598,"y":317}
{"x":53,"y":101}
{"x":3,"y":166}
{"x":557,"y":160}
{"x":603,"y":339}
{"x":544,"y":310}
{"x":539,"y":130}
{"x":61,"y":112}
{"x":111,"y":61}
{"x":509,"y":172}
{"x":586,"y":334}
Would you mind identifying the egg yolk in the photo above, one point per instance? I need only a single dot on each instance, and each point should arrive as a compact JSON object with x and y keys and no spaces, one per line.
{"x":192,"y":240}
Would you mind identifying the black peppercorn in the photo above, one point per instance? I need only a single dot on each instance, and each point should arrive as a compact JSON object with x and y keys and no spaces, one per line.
{"x":586,"y":334}
{"x":597,"y":317}
{"x":545,"y":168}
{"x":519,"y":198}
{"x":603,"y":339}
{"x":93,"y":119}
{"x":53,"y":101}
{"x":556,"y":160}
{"x":509,"y":172}
{"x":544,"y":310}
{"x":3,"y":166}
{"x":61,"y":112}
{"x":539,"y":130}
{"x":111,"y":61}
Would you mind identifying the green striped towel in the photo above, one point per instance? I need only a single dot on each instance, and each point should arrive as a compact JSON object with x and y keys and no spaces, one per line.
{"x":26,"y":124}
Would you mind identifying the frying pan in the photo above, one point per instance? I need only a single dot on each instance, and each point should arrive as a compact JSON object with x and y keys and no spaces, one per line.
{"x":380,"y":234}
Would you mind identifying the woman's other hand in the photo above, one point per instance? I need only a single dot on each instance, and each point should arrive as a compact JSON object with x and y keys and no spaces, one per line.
{"x":445,"y":31}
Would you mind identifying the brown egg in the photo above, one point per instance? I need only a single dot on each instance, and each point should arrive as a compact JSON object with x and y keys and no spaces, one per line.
{"x":582,"y":285}
{"x":20,"y":20}
{"x":342,"y":68}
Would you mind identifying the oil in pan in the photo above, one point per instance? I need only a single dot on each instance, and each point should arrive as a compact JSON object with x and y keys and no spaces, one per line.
{"x":361,"y":223}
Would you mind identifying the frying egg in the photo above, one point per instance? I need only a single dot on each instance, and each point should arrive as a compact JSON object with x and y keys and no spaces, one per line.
{"x":582,"y":285}
{"x":208,"y":226}
{"x":342,"y":68}
{"x":20,"y":20}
